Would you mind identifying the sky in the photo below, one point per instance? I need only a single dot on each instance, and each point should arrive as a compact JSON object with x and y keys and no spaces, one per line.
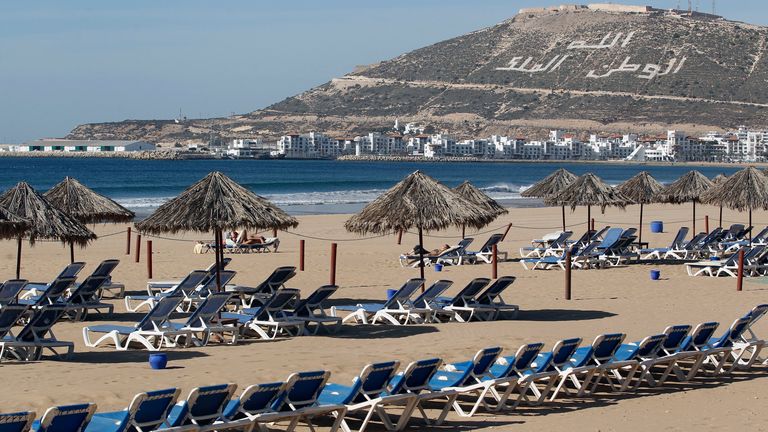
{"x":63,"y":63}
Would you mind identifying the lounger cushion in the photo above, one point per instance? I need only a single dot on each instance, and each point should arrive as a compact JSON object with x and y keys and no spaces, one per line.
{"x":115,"y":421}
{"x":106,"y":328}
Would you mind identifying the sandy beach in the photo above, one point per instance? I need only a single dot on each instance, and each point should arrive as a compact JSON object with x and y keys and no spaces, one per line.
{"x":621,"y":299}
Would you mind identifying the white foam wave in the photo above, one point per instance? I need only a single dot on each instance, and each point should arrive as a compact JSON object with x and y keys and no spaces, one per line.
{"x":142,"y":202}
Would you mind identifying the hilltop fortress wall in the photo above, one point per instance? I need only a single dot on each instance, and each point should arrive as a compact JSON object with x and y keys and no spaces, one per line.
{"x":608,"y":7}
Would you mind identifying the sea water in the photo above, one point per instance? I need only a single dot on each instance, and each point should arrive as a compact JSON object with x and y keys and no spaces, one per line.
{"x":305,"y":186}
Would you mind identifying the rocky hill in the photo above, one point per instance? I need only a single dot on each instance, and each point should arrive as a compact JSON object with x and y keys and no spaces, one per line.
{"x":577,"y":68}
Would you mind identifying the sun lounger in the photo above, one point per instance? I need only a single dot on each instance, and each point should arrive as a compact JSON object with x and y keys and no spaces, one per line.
{"x":645,"y":353}
{"x":65,"y":418}
{"x":153,"y":332}
{"x":427,"y":300}
{"x":9,"y":316}
{"x":688,"y":352}
{"x":254,"y":296}
{"x":677,"y":244}
{"x":17,"y":422}
{"x":590,"y":361}
{"x":255,"y":403}
{"x":201,"y":325}
{"x":50,"y":295}
{"x":183,"y":289}
{"x":490,"y":299}
{"x":299,"y":400}
{"x":547,"y":245}
{"x":367,"y":395}
{"x":395,"y":311}
{"x":461,"y":306}
{"x":710,"y":267}
{"x":729,"y":267}
{"x":34,"y":289}
{"x":147,"y":411}
{"x":485,"y":253}
{"x":447,"y":385}
{"x":37,"y":335}
{"x":311,"y":310}
{"x":155,"y":287}
{"x":414,"y":381}
{"x":536,"y":382}
{"x":270,"y":320}
{"x":203,"y":406}
{"x":749,"y":336}
{"x":9,"y":291}
{"x":721,"y":351}
{"x":86,"y":298}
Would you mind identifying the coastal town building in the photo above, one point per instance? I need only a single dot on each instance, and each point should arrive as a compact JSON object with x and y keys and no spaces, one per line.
{"x":91,"y":146}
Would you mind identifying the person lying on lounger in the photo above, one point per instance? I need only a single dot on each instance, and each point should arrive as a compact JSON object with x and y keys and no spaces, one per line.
{"x":427,"y":254}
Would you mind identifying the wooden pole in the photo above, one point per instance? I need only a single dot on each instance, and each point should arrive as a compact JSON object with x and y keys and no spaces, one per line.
{"x":71,"y":252}
{"x":495,"y":266}
{"x":334,"y":247}
{"x":749,"y":226}
{"x":706,"y":223}
{"x":399,"y":236}
{"x":589,"y":218}
{"x":568,"y":274}
{"x":593,"y":224}
{"x":563,"y":208}
{"x":149,"y":259}
{"x":421,"y":255}
{"x":740,"y":274}
{"x":18,"y":258}
{"x":128,"y":242}
{"x":138,"y":247}
{"x":463,"y":231}
{"x":274,"y":232}
{"x":640,"y":228}
{"x":301,"y":255}
{"x":509,"y":227}
{"x":217,"y":238}
{"x":721,"y":216}
{"x":694,"y":217}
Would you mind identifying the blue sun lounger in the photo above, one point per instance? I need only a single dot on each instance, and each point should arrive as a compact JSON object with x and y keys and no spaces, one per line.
{"x":688,"y":352}
{"x":426,"y":301}
{"x":183,"y":289}
{"x":9,"y":291}
{"x":255,"y":296}
{"x":65,"y":418}
{"x":677,"y":244}
{"x":156,"y":287}
{"x":749,"y":337}
{"x":203,"y":406}
{"x":37,"y":335}
{"x":460,"y":307}
{"x":147,"y":411}
{"x":9,"y":316}
{"x":200,"y":324}
{"x":299,"y":402}
{"x":644,"y":352}
{"x":367,"y":395}
{"x":395,"y":311}
{"x":536,"y":382}
{"x":34,"y":289}
{"x":720,"y":351}
{"x":153,"y":332}
{"x":489,"y":303}
{"x":255,"y":403}
{"x":414,"y":381}
{"x":17,"y":422}
{"x":85,"y":298}
{"x":311,"y":310}
{"x":270,"y":320}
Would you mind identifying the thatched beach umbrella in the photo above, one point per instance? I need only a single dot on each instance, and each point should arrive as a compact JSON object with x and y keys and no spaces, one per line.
{"x":688,"y":188}
{"x":589,"y":190}
{"x":475,"y":195}
{"x":553,"y":184}
{"x":417,"y":201}
{"x":85,"y":205}
{"x":716,"y":181}
{"x":216,"y":203}
{"x":45,"y":221}
{"x":744,"y":190}
{"x":641,"y":189}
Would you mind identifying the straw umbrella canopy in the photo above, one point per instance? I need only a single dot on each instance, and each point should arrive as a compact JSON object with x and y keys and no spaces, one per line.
{"x":85,"y":205}
{"x":553,"y":184}
{"x":641,"y":189}
{"x":716,"y":181}
{"x":45,"y":221}
{"x":216,"y":203}
{"x":418,"y":201}
{"x":475,"y":195}
{"x":688,"y":188}
{"x":589,"y":190}
{"x":744,"y":190}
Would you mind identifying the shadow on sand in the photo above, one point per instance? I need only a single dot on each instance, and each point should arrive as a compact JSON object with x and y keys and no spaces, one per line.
{"x":376,"y":331}
{"x":562,"y":315}
{"x":112,"y":356}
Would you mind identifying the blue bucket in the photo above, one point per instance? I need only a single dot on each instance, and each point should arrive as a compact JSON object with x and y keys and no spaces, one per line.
{"x":158,"y":360}
{"x":391,"y":293}
{"x":657,"y":226}
{"x":438,"y":267}
{"x":655,"y":274}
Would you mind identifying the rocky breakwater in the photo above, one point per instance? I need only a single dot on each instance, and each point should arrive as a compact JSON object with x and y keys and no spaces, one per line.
{"x":141,"y":155}
{"x":393,"y":158}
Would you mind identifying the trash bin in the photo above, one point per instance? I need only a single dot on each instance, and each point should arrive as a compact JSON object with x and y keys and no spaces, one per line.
{"x":438,"y":267}
{"x":657,"y":226}
{"x":655,"y":274}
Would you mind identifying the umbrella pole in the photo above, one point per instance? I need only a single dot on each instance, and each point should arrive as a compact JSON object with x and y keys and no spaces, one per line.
{"x":71,"y":252}
{"x":721,"y":216}
{"x":18,"y":258}
{"x":421,"y":255}
{"x":694,"y":216}
{"x":640,"y":227}
{"x":563,"y":209}
{"x":217,"y":239}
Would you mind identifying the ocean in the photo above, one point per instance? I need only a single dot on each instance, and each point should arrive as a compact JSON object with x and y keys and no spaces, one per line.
{"x":304,"y":186}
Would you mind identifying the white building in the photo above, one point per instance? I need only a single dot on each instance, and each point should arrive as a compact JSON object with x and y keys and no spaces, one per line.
{"x":93,"y":146}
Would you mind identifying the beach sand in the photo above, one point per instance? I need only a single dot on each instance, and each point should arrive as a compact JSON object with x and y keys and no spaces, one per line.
{"x":610,"y":300}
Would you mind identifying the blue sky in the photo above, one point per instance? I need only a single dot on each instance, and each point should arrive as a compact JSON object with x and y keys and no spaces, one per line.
{"x":63,"y":63}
